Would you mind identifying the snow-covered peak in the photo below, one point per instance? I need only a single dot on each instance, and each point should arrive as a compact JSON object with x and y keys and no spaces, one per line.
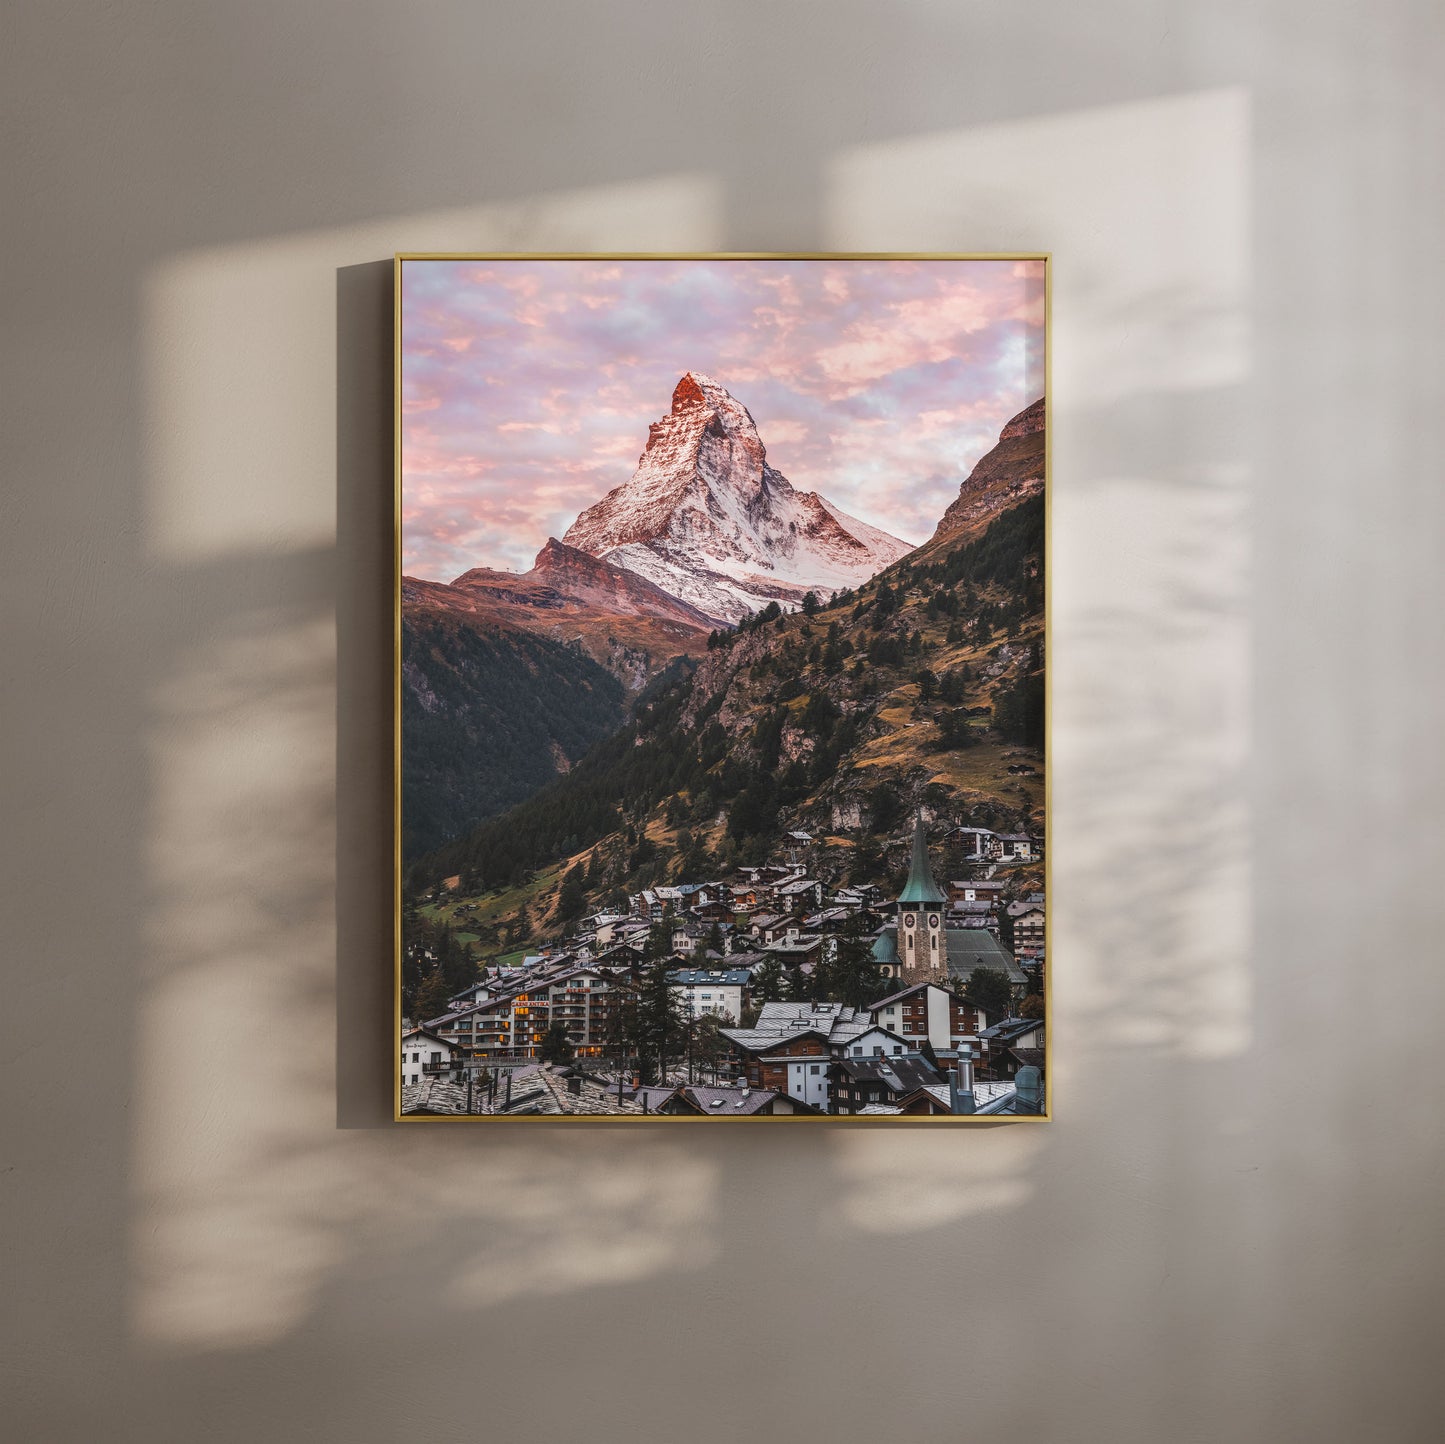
{"x":706,"y":518}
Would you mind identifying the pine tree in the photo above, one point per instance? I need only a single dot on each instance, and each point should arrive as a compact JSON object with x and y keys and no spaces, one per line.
{"x":661,"y":1021}
{"x":851,"y":974}
{"x":572,"y":896}
{"x":556,"y":1045}
{"x":768,"y":984}
{"x":988,"y":989}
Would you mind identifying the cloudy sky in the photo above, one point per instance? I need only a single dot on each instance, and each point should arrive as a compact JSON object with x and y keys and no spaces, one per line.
{"x":528,"y":386}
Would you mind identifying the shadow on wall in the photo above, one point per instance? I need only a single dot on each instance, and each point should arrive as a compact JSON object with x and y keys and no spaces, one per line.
{"x":280,"y":1217}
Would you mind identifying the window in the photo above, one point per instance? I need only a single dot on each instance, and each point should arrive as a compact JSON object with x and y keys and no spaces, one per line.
{"x":898,"y":1047}
{"x":813,"y":1068}
{"x":436,"y":1057}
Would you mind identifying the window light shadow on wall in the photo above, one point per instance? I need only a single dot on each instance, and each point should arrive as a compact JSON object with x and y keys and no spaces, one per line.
{"x":248,"y":1198}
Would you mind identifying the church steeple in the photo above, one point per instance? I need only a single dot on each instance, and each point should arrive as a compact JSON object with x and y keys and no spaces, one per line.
{"x":920,"y":889}
{"x":922,"y":938}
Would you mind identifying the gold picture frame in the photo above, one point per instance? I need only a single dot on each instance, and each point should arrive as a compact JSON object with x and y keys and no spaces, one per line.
{"x":402,"y":260}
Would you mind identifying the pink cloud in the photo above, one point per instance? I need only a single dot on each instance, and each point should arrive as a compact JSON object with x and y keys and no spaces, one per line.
{"x":877,"y":383}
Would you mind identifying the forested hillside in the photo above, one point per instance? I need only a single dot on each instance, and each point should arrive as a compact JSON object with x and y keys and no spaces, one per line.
{"x":490,"y":715}
{"x":924,"y":686}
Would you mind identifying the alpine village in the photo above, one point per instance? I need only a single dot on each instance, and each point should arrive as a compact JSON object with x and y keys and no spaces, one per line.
{"x":734,"y":805}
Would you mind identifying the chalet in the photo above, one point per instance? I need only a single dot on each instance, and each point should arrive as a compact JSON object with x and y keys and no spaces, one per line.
{"x":1014,"y":847}
{"x":719,"y":991}
{"x":744,"y":900}
{"x":789,"y":1046}
{"x":713,"y":912}
{"x":427,"y":1054}
{"x":958,"y":912}
{"x":932,"y":1013}
{"x":799,"y":892}
{"x":658,"y":1099}
{"x":477,"y":993}
{"x":876,"y":1042}
{"x":974,"y":842}
{"x":829,"y":920}
{"x":688,"y":938}
{"x":1028,"y":928}
{"x":768,"y":925}
{"x":985,"y":890}
{"x":859,"y":1082}
{"x":1013,"y":1044}
{"x":792,"y":1063}
{"x":604,"y":927}
{"x":929,"y":1101}
{"x":795,"y":949}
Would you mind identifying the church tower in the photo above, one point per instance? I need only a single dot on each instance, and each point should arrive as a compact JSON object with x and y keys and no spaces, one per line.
{"x":922,"y":942}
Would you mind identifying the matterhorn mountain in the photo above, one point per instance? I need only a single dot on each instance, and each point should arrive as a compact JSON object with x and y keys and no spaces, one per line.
{"x":707,"y":520}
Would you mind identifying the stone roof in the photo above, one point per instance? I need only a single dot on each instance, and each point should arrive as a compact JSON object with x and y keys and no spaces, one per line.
{"x":973,"y":948}
{"x":900,"y":1075}
{"x":727,"y":977}
{"x":729,"y":1102}
{"x":537,"y":1090}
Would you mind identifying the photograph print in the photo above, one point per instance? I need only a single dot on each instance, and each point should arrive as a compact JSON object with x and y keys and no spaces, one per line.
{"x":721,"y":649}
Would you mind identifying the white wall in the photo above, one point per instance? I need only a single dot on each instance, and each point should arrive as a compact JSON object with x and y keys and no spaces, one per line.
{"x":1227,"y":1234}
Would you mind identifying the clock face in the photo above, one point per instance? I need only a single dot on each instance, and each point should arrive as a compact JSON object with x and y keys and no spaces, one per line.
{"x":933,"y":920}
{"x":909,"y":920}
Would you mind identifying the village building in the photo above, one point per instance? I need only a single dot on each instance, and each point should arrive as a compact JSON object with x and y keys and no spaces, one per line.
{"x":1028,"y":928}
{"x":513,"y":1026}
{"x":1013,"y":1044}
{"x":974,"y":842}
{"x":922,"y":945}
{"x":427,"y":1054}
{"x":929,"y":1013}
{"x":719,"y":991}
{"x":859,"y":1082}
{"x":986,"y":890}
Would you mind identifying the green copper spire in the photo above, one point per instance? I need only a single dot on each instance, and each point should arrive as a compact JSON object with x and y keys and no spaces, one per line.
{"x":920,"y":888}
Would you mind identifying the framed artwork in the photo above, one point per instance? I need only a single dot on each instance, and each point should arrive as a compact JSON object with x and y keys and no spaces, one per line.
{"x":721,"y":657}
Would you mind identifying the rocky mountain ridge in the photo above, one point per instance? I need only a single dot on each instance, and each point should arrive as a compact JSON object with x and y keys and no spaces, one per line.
{"x":1008,"y":474}
{"x":707,"y":519}
{"x":616,"y":617}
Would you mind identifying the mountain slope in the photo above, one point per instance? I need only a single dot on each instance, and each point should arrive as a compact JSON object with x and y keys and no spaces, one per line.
{"x":490,"y":714}
{"x":707,"y":519}
{"x":923,"y":688}
{"x":619,"y":619}
{"x":1003,"y":477}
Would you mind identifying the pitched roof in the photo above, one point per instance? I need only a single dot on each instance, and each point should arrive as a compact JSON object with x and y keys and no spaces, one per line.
{"x":898,"y":1075}
{"x":920,"y":887}
{"x":704,"y":977}
{"x":729,"y":1102}
{"x":903,"y":993}
{"x":973,"y":948}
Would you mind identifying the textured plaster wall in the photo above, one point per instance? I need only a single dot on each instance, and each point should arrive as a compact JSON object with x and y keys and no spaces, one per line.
{"x":1232,"y":1230}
